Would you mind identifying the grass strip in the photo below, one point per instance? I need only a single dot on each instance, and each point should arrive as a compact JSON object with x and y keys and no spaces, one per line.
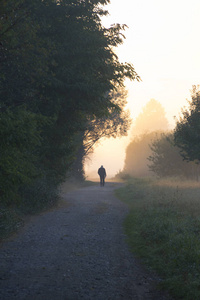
{"x":10,"y":222}
{"x":35,"y":201}
{"x":163,"y":228}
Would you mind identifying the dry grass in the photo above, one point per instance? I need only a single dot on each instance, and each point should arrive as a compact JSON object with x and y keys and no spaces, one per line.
{"x":183,"y":195}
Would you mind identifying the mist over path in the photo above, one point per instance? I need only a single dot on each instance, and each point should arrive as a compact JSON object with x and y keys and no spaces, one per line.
{"x":77,"y":251}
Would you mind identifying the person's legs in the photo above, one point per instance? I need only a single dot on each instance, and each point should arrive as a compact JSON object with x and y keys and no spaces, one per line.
{"x":101,"y":180}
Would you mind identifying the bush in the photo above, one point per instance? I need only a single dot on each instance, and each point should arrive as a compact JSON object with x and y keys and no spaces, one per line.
{"x":39,"y":195}
{"x":10,"y":221}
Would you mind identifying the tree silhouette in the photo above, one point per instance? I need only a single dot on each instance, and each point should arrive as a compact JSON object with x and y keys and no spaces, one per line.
{"x":58,"y":63}
{"x":115,"y":124}
{"x":137,"y":153}
{"x":187,"y":131}
{"x":152,"y":118}
{"x":149,"y":124}
{"x":166,"y":159}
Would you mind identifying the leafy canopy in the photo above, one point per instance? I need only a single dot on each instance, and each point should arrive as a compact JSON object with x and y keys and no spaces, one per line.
{"x":58,"y":66}
{"x":187,"y":131}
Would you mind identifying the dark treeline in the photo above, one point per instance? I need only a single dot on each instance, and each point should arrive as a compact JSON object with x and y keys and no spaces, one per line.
{"x":61,"y":89}
{"x":156,"y":150}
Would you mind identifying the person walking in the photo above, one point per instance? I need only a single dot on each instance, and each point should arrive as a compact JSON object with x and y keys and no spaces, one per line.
{"x":102,"y":174}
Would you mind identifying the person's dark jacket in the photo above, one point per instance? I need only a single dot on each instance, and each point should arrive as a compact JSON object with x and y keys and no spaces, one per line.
{"x":102,"y":172}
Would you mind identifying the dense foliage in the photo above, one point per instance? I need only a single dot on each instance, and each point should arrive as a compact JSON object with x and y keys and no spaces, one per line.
{"x":166,"y":160}
{"x":58,"y":70}
{"x":187,"y":131}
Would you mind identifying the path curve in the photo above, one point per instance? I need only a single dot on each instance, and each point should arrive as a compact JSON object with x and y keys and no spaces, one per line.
{"x":77,"y":251}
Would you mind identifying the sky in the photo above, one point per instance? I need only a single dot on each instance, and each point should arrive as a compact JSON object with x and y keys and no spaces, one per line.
{"x":162,"y":42}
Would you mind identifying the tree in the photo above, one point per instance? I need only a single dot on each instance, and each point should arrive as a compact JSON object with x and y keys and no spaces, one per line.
{"x":23,"y":57}
{"x":166,"y":159}
{"x":137,"y":153}
{"x":83,"y":70}
{"x":58,"y":66}
{"x":20,"y":137}
{"x":149,"y":124}
{"x":20,"y":128}
{"x":152,"y":118}
{"x":187,"y":131}
{"x":115,"y":124}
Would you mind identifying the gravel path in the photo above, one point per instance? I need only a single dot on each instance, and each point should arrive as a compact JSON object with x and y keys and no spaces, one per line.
{"x":77,"y":251}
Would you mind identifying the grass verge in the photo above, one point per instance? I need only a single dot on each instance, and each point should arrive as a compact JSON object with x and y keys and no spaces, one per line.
{"x":10,"y":222}
{"x":36,"y":200}
{"x":163,"y":228}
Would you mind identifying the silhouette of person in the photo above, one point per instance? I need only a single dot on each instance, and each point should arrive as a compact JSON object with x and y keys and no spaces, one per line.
{"x":102,"y":174}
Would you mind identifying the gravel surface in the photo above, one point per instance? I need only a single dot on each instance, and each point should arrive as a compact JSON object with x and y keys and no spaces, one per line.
{"x":77,"y":251}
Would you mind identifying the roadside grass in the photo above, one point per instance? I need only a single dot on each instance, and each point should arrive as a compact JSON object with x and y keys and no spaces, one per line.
{"x":12,"y":218}
{"x":163,"y":228}
{"x":73,"y":184}
{"x":10,"y":222}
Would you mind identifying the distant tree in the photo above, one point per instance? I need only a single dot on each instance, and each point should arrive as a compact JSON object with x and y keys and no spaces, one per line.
{"x":149,"y":124}
{"x":137,"y":153}
{"x":152,"y":118}
{"x":187,"y":130}
{"x":166,"y":159}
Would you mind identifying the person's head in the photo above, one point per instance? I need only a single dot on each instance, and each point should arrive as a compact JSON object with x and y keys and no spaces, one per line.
{"x":101,"y":166}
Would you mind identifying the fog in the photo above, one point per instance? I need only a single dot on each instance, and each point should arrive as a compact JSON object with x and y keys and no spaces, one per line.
{"x":166,"y":57}
{"x":112,"y":153}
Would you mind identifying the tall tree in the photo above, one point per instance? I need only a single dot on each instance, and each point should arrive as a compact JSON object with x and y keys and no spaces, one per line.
{"x":187,"y":131}
{"x":151,"y":118}
{"x":149,"y":124}
{"x":83,"y":70}
{"x":58,"y":65}
{"x":22,"y":54}
{"x":21,"y":58}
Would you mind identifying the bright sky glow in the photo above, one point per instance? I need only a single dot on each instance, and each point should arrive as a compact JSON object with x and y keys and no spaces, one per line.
{"x":162,"y":42}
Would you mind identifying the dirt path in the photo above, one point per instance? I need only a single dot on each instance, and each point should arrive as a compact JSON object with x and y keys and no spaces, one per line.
{"x":75,"y":252}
